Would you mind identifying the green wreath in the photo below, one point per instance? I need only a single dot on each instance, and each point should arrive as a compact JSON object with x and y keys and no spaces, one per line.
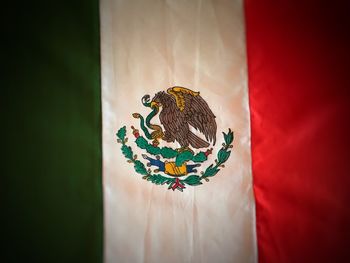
{"x":175,"y":183}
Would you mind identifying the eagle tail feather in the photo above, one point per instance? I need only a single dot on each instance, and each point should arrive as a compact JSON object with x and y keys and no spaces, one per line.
{"x":197,"y":142}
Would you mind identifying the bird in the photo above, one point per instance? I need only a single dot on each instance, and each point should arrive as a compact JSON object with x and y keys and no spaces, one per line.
{"x":180,"y":109}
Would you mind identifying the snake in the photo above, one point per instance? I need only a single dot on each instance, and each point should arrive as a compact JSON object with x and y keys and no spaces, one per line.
{"x":157,"y":132}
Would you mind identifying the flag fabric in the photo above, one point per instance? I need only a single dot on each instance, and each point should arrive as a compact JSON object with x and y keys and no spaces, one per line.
{"x":146,"y":49}
{"x":177,"y":131}
{"x":201,"y":45}
{"x":298,"y":88}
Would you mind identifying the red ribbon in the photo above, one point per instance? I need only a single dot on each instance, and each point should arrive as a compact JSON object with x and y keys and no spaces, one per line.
{"x":177,"y":184}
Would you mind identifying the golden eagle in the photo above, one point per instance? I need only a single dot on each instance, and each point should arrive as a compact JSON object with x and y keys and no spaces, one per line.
{"x":182,"y":108}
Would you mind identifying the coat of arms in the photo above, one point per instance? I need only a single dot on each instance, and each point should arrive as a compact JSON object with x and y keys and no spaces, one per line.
{"x":178,"y":109}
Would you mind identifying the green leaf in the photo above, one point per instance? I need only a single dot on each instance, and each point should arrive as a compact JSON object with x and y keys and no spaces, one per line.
{"x":192,"y":180}
{"x":159,"y":179}
{"x":140,"y":167}
{"x":211,"y":171}
{"x":126,"y":150}
{"x":223,"y":155}
{"x":228,"y":137}
{"x":121,"y":133}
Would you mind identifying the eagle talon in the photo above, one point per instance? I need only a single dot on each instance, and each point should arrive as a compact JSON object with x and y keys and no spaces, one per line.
{"x":155,"y":142}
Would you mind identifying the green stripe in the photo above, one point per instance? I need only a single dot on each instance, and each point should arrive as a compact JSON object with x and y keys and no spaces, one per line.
{"x":52,"y":144}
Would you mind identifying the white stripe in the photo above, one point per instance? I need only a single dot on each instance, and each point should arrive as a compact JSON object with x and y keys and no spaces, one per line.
{"x":148,"y":46}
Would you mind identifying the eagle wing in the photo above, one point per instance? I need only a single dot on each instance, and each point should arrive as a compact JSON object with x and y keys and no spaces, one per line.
{"x":195,"y":111}
{"x":175,"y":124}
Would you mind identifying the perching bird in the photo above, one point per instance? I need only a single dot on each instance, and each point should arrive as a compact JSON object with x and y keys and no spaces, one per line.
{"x":182,"y":107}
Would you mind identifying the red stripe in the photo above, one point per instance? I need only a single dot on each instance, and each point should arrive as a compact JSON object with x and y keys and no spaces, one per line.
{"x":298,"y":64}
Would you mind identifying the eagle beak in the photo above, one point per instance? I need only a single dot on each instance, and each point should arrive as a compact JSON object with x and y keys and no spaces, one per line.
{"x":154,"y":104}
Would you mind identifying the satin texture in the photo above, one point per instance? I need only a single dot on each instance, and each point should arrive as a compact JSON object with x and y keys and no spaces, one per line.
{"x":149,"y":46}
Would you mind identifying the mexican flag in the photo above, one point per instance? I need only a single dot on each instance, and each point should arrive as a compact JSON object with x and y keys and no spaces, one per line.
{"x":177,"y":131}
